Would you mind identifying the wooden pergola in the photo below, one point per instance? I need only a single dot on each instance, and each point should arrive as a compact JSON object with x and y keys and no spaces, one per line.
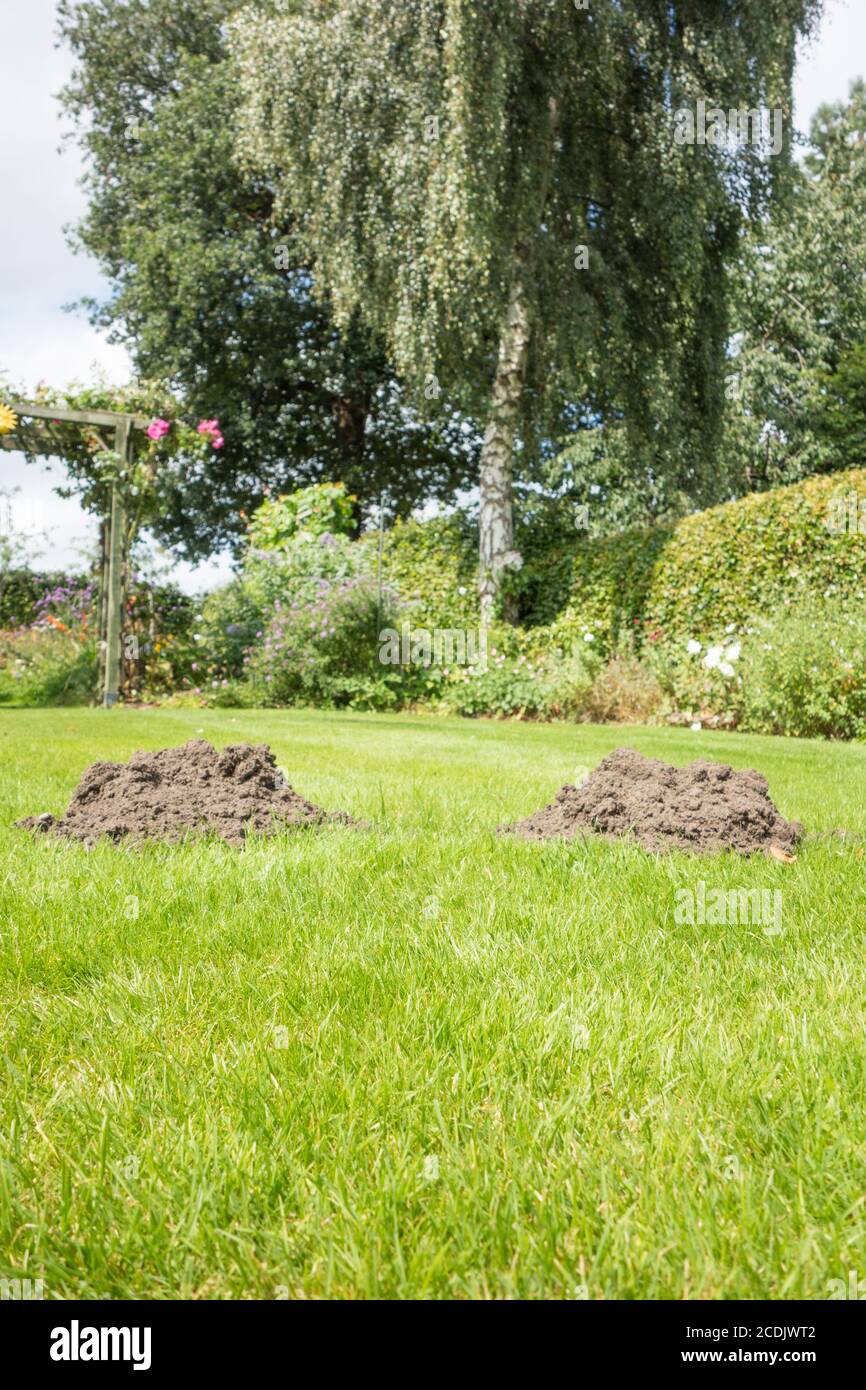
{"x":33,"y":434}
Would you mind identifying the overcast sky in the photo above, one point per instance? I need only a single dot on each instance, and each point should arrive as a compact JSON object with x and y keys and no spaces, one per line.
{"x":39,"y":275}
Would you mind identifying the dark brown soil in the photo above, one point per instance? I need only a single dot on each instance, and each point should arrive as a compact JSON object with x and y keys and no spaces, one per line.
{"x":702,"y":807}
{"x":181,"y":791}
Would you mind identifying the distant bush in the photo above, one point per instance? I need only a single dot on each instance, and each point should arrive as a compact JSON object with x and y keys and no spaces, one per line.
{"x":433,"y":565}
{"x":24,"y":594}
{"x":324,"y":649}
{"x":804,"y":673}
{"x":626,"y":690}
{"x":522,"y":681}
{"x":323,"y":509}
{"x":46,"y":666}
{"x":723,"y":566}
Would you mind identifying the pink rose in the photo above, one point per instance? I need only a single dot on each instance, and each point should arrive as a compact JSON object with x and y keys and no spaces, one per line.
{"x":212,"y":427}
{"x":157,"y":429}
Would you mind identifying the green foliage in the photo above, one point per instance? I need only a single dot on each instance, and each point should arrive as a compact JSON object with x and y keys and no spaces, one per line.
{"x":433,"y":565}
{"x":91,"y":460}
{"x":840,"y":415}
{"x":231,"y":618}
{"x":720,"y":567}
{"x":626,"y":690}
{"x":49,"y":653}
{"x":542,"y":686}
{"x":374,"y":120}
{"x":298,"y":548}
{"x":323,"y":509}
{"x":20,"y":592}
{"x":46,"y":666}
{"x":325,"y":650}
{"x":804,"y":672}
{"x":800,"y":305}
{"x":208,"y":288}
{"x":798,"y":670}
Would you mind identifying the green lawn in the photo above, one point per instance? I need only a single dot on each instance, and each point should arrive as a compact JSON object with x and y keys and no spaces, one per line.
{"x":419,"y":1061}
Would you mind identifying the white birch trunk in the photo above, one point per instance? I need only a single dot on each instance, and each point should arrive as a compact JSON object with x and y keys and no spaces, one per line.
{"x":496,"y":521}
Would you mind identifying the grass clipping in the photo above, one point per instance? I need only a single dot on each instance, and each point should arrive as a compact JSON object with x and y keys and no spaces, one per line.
{"x":191,"y":790}
{"x":703,"y":807}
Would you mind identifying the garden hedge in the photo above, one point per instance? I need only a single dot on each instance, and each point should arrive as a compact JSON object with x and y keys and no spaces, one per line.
{"x":725,"y":565}
{"x":693,"y":578}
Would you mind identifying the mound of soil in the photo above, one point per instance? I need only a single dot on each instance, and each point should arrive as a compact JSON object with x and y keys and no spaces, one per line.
{"x":182,"y":791}
{"x":702,"y":807}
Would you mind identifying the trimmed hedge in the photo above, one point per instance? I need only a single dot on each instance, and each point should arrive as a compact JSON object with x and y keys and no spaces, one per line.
{"x":725,"y":565}
{"x":691,"y":579}
{"x":433,"y":566}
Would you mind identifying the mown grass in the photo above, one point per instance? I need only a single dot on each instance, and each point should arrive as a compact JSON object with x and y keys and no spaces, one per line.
{"x":420,"y":1061}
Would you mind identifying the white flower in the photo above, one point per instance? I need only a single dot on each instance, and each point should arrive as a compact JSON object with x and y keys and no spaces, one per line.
{"x":693,"y":647}
{"x":733,"y":652}
{"x":732,"y":627}
{"x":713,"y":657}
{"x":462,"y":589}
{"x":726,"y":668}
{"x":588,"y":637}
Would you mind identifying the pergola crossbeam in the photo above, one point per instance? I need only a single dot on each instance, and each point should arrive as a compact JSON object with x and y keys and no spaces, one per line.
{"x":76,"y":417}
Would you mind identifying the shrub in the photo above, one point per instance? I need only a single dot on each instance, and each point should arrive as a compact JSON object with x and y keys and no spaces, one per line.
{"x":23,"y":590}
{"x":286,"y":564}
{"x":324,"y":650}
{"x":46,"y":666}
{"x":513,"y":688}
{"x":690,"y":579}
{"x":294,"y":574}
{"x":538,"y":684}
{"x":626,"y":690}
{"x":323,"y":509}
{"x":720,"y":567}
{"x":804,"y":673}
{"x":230,"y":619}
{"x":433,"y":565}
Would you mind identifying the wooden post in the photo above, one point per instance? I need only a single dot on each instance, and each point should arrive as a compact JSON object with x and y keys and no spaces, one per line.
{"x":102,"y":622}
{"x":116,"y":552}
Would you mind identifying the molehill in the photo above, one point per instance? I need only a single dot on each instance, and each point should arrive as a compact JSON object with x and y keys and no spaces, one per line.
{"x":191,"y":790}
{"x":702,"y":807}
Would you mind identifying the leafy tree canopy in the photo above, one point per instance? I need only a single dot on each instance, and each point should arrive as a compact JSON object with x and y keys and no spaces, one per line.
{"x":208,"y":290}
{"x":496,"y":192}
{"x":800,"y":310}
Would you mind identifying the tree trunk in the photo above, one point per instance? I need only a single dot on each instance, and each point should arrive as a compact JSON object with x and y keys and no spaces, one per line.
{"x":496,"y":521}
{"x":350,"y":424}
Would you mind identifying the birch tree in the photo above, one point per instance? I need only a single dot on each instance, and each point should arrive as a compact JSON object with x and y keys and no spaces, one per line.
{"x":500,"y":191}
